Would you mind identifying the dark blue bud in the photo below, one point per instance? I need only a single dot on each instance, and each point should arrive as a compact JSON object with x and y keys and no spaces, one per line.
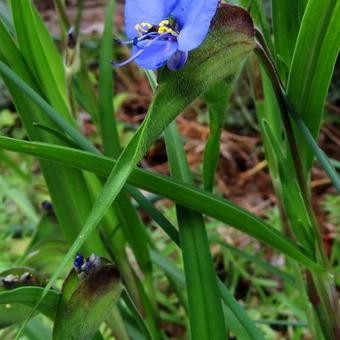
{"x":78,"y":261}
{"x":47,"y":206}
{"x":88,"y":266}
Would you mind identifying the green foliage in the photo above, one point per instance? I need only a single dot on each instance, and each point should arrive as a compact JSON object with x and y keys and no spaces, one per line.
{"x":182,"y":272}
{"x":306,"y":88}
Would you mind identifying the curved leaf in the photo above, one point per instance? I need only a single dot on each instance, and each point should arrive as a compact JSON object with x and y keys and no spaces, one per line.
{"x":205,"y":308}
{"x":184,"y":194}
{"x":29,"y":296}
{"x":41,"y":53}
{"x":217,"y":100}
{"x":312,"y":68}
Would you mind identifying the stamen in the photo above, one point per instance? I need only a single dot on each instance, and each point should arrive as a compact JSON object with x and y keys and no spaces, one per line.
{"x":132,"y":58}
{"x":136,"y":40}
{"x":123,"y":43}
{"x":164,"y":23}
{"x":165,"y":29}
{"x":143,"y":27}
{"x":141,"y":50}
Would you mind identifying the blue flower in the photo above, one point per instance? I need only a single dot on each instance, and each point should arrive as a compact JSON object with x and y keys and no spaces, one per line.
{"x":164,"y":31}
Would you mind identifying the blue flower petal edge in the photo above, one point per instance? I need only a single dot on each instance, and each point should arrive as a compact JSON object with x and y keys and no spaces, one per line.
{"x":162,"y":32}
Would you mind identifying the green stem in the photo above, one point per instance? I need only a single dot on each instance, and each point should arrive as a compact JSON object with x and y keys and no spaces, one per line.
{"x":80,"y":6}
{"x":327,"y":308}
{"x":277,"y":86}
{"x":64,"y":21}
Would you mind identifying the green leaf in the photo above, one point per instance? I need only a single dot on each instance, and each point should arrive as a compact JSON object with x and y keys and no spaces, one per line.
{"x":312,"y":68}
{"x":63,"y":183}
{"x":217,"y":100}
{"x":20,"y":199}
{"x":205,"y":309}
{"x":319,"y":154}
{"x":6,"y":17}
{"x":117,"y":242}
{"x":28,"y":297}
{"x":85,"y":302}
{"x":259,"y":262}
{"x":84,"y":91}
{"x":17,"y":298}
{"x":34,"y":97}
{"x":154,"y":213}
{"x":41,"y":54}
{"x":187,"y":195}
{"x":260,"y":17}
{"x":137,"y":318}
{"x":237,"y":320}
{"x":106,"y":113}
{"x":46,"y":230}
{"x":46,"y":255}
{"x":286,"y":24}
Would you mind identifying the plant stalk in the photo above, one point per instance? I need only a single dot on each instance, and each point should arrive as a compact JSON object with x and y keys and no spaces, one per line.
{"x":326,"y":307}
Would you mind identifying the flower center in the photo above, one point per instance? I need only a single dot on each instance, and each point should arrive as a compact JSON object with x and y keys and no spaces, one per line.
{"x":167,"y":26}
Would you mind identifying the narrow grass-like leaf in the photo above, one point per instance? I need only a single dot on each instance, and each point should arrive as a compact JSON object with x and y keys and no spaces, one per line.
{"x":84,"y":92}
{"x":132,"y":225}
{"x":41,"y":54}
{"x":137,"y":317}
{"x":237,"y":320}
{"x":259,"y":262}
{"x":63,"y":138}
{"x":29,"y":296}
{"x":217,"y":100}
{"x":11,"y":164}
{"x":46,"y":255}
{"x":154,"y":213}
{"x":286,"y":24}
{"x":187,"y":195}
{"x":107,"y":122}
{"x":40,"y":102}
{"x":116,"y":241}
{"x":6,"y":17}
{"x":259,"y":14}
{"x":312,"y":67}
{"x":20,"y":199}
{"x":63,"y":183}
{"x":317,"y":151}
{"x":205,"y":309}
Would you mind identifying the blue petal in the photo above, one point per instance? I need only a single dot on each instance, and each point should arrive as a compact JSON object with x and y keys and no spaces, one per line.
{"x":156,"y":54}
{"x":194,"y":18}
{"x":151,"y":11}
{"x":177,"y":61}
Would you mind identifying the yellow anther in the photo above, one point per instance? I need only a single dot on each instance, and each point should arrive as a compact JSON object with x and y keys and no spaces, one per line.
{"x":164,"y":29}
{"x":143,"y":27}
{"x":164,"y":23}
{"x":146,"y":24}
